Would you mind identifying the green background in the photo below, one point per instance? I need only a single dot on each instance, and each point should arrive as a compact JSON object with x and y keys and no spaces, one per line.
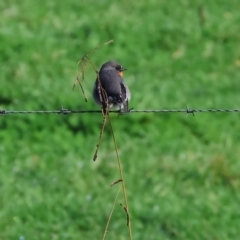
{"x":181,"y":173}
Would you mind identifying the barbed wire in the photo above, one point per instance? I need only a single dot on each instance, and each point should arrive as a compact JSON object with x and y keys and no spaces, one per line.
{"x":131,"y":111}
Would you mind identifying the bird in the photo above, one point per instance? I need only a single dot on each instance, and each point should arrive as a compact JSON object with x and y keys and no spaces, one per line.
{"x":110,"y":90}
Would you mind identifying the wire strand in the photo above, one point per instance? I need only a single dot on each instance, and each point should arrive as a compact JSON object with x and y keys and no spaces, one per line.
{"x":67,"y":111}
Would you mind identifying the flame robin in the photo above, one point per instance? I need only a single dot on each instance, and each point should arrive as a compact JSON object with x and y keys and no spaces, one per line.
{"x":113,"y":90}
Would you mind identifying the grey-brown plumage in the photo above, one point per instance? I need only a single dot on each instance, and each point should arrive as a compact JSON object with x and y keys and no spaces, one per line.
{"x":118,"y":94}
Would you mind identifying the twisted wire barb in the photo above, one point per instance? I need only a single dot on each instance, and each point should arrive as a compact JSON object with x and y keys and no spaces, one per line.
{"x":66,"y":111}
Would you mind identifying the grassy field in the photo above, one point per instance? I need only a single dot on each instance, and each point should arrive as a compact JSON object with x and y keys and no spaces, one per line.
{"x":181,"y":173}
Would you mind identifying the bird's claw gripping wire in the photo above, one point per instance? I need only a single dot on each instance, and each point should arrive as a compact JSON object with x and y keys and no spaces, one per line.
{"x":120,"y":112}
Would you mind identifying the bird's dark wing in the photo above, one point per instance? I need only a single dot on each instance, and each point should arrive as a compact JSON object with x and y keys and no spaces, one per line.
{"x":123,"y":91}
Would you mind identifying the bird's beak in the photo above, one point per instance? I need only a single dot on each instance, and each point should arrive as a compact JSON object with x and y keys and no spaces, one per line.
{"x":123,"y":69}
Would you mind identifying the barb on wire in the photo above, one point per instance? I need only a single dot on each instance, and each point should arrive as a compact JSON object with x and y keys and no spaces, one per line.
{"x":2,"y":112}
{"x":67,"y":111}
{"x":189,"y":111}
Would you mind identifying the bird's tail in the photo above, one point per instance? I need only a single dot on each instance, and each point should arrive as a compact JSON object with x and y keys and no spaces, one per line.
{"x":125,"y":106}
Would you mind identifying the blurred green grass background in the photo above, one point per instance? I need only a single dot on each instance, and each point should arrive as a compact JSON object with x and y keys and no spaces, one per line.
{"x":182,"y":173}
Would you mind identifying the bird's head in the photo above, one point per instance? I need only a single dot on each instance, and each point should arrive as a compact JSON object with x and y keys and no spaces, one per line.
{"x":115,"y":65}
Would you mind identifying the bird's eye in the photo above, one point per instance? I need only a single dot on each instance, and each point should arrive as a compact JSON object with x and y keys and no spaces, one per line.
{"x":119,"y":68}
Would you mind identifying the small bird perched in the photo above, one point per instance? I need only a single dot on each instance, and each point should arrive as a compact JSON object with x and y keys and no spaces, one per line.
{"x":112,"y":88}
